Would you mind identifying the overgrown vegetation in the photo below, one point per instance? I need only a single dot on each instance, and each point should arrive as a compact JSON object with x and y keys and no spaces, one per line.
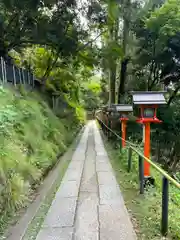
{"x":145,"y":210}
{"x":31,"y":139}
{"x":91,"y":94}
{"x":85,"y":55}
{"x":49,"y":39}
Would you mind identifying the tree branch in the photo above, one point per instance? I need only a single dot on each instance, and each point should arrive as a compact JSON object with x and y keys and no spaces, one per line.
{"x":173,"y":95}
{"x":49,"y":68}
{"x":11,"y":20}
{"x":91,"y":41}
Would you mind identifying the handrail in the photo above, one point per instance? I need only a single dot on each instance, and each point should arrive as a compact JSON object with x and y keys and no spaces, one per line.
{"x":160,"y":170}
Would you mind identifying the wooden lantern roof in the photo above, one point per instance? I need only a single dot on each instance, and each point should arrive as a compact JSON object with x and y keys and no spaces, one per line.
{"x":148,"y":98}
{"x":123,"y":108}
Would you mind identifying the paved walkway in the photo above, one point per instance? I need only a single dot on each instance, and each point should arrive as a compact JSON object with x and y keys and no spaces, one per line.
{"x":88,"y":204}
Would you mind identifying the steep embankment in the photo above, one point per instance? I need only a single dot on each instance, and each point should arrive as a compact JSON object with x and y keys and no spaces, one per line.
{"x":30,"y":140}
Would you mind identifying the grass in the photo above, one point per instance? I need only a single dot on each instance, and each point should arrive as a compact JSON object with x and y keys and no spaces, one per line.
{"x":144,"y":209}
{"x":31,"y":138}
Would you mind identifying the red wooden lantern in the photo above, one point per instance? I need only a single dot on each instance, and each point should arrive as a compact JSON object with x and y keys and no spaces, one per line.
{"x":148,"y":103}
{"x":124,"y":110}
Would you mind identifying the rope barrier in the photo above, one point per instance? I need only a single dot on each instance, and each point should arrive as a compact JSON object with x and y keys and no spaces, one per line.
{"x":134,"y":146}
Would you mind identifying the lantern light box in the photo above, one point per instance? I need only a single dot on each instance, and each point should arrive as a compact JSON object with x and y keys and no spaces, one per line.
{"x":148,"y":103}
{"x":123,"y":110}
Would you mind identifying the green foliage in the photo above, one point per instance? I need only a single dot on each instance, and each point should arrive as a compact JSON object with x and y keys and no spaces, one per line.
{"x":91,"y":95}
{"x":93,"y":86}
{"x":80,"y":114}
{"x":145,"y":210}
{"x":157,"y":62}
{"x":112,"y":51}
{"x":113,"y":11}
{"x":165,"y":20}
{"x":31,"y":137}
{"x":24,"y":23}
{"x":157,"y":56}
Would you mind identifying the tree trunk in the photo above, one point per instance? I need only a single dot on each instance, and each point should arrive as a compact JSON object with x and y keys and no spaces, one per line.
{"x":125,"y":59}
{"x":112,"y":63}
{"x":121,"y":90}
{"x":112,"y":83}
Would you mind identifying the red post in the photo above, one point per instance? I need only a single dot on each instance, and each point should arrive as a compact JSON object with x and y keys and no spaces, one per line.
{"x":147,"y":149}
{"x":123,"y":128}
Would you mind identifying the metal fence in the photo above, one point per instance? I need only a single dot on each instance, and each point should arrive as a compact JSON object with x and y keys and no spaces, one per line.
{"x":10,"y":73}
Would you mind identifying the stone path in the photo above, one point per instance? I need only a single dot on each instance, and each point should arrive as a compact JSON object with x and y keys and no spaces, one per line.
{"x":88,"y":204}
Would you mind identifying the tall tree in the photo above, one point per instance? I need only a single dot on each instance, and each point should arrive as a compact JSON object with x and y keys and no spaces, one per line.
{"x":126,"y":8}
{"x":113,"y":27}
{"x":49,"y":23}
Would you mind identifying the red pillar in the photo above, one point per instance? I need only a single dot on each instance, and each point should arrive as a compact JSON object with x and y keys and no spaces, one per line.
{"x":147,"y":149}
{"x":123,"y":128}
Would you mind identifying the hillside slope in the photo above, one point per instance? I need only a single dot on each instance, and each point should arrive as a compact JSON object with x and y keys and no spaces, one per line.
{"x":30,"y":140}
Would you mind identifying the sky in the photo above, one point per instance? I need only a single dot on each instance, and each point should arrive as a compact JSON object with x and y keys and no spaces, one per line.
{"x":84,"y":21}
{"x":81,"y":4}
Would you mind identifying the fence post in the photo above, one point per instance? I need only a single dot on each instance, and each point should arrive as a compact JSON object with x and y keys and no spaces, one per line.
{"x":2,"y":70}
{"x":108,"y":129}
{"x":141,"y":174}
{"x":23,"y":77}
{"x":165,"y":200}
{"x":129,"y":158}
{"x":110,"y":133}
{"x":120,"y":145}
{"x":33,"y":80}
{"x":5,"y":72}
{"x":29,"y":78}
{"x":14,"y":76}
{"x":19,"y":71}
